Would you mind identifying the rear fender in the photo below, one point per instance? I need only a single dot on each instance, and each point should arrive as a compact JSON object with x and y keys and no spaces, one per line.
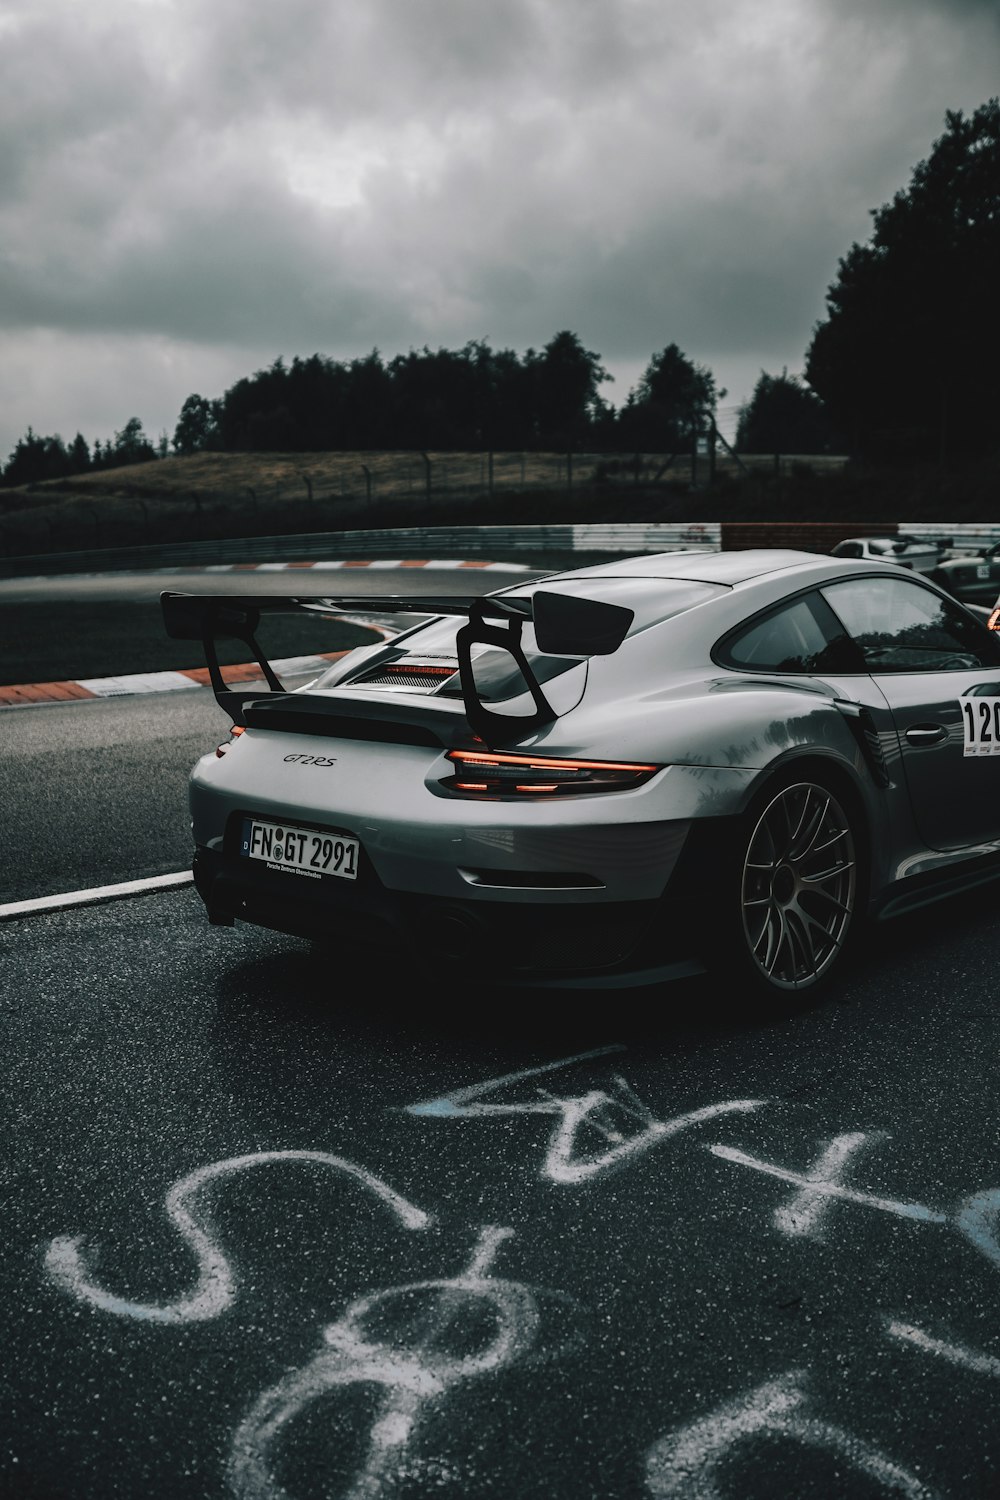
{"x":726,"y":726}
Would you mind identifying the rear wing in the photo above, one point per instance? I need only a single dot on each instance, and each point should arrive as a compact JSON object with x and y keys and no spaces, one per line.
{"x":565,"y":625}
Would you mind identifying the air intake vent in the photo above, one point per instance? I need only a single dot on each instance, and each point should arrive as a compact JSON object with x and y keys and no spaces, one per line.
{"x":409,"y":676}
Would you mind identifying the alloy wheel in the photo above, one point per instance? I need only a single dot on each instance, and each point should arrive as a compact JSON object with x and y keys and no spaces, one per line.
{"x":798,"y":886}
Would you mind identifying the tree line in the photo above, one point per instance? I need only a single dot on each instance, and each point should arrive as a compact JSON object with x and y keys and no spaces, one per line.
{"x":903,"y":365}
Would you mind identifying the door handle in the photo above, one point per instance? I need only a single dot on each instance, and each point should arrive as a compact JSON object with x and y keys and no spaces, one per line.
{"x":926,"y":734}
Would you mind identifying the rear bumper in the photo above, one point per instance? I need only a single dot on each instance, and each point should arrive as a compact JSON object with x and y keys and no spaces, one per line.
{"x":610,"y":944}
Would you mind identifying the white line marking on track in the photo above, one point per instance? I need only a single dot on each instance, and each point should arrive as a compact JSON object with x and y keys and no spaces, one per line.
{"x":38,"y":905}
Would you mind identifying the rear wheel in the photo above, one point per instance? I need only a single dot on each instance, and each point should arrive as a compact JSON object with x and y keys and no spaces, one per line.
{"x":796,"y":889}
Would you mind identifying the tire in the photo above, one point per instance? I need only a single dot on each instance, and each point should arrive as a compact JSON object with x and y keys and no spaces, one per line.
{"x":795,"y":889}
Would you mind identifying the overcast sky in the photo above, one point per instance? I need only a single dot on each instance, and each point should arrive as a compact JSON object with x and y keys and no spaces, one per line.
{"x":190,"y":188}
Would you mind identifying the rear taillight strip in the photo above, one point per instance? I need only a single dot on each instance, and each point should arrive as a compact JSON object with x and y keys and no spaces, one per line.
{"x":482,"y":773}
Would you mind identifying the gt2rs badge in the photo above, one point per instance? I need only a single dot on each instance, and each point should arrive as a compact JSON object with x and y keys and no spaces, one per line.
{"x":312,"y":760}
{"x":981,"y":722}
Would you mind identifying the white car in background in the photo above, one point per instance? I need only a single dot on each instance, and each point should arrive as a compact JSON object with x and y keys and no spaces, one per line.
{"x":909,"y":552}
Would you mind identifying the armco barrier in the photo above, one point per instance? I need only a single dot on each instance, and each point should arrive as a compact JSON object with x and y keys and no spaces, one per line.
{"x":496,"y":542}
{"x":961,"y":536}
{"x":804,"y":536}
{"x":645,"y":537}
{"x":412,"y":541}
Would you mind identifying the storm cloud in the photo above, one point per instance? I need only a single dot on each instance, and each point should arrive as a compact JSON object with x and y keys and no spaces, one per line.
{"x":188,"y":191}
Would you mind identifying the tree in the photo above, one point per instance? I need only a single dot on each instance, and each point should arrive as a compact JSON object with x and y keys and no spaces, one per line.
{"x":566,"y":379}
{"x":783,"y":416}
{"x":37,"y":458}
{"x":131,"y":446}
{"x":670,"y":406}
{"x":79,"y":455}
{"x":906,"y":359}
{"x":197,"y":426}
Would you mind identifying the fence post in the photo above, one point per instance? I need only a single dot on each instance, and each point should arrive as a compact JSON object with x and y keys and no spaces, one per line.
{"x":368,"y":483}
{"x":427,"y":473}
{"x":308,"y":484}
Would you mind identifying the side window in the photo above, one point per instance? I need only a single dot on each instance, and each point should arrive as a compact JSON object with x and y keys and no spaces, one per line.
{"x":902,"y":627}
{"x":802,"y":636}
{"x":850,"y":549}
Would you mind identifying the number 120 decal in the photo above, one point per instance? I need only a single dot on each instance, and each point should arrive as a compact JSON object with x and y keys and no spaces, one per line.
{"x":981,"y":720}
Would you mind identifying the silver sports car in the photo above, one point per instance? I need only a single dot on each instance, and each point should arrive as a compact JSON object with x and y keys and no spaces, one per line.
{"x":615,"y":775}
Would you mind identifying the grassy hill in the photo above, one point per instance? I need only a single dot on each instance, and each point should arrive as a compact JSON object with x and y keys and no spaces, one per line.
{"x":218,"y":495}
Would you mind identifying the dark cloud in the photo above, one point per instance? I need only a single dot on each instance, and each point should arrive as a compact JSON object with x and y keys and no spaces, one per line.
{"x":245,"y":179}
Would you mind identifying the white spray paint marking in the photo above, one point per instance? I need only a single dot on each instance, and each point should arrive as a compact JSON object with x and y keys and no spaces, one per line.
{"x":215,"y":1289}
{"x":613,"y":1116}
{"x":412,"y":1372}
{"x":978,"y":1218}
{"x":684,"y":1465}
{"x":805,"y":1214}
{"x":956,"y":1354}
{"x":562,"y":1166}
{"x":832,"y":1189}
{"x":452,"y":1104}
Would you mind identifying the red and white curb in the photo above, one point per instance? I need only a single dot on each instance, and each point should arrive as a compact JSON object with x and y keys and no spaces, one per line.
{"x":154,"y":682}
{"x":351,"y":562}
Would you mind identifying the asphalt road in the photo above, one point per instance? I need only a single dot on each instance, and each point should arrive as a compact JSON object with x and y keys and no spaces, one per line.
{"x":756,"y":1255}
{"x":373,"y":578}
{"x":287,"y":1226}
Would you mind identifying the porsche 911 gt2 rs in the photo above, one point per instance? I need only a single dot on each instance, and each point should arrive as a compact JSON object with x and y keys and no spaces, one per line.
{"x":614,"y":775}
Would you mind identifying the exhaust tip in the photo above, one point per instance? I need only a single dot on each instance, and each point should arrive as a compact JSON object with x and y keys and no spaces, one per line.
{"x":457,"y":934}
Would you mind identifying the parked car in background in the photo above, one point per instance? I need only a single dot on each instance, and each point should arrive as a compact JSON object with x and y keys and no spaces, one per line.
{"x":976,"y":576}
{"x":919,"y":555}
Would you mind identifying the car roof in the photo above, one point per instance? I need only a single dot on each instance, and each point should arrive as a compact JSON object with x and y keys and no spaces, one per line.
{"x":708,"y":567}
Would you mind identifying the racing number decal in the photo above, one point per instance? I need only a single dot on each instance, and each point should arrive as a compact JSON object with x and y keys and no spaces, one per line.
{"x":981,"y":723}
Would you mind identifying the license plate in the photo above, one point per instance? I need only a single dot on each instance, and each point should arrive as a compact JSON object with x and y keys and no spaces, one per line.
{"x":300,"y":851}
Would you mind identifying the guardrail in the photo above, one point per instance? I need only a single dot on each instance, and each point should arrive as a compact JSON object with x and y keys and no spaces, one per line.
{"x":481,"y":541}
{"x":411,"y":541}
{"x":960,"y":536}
